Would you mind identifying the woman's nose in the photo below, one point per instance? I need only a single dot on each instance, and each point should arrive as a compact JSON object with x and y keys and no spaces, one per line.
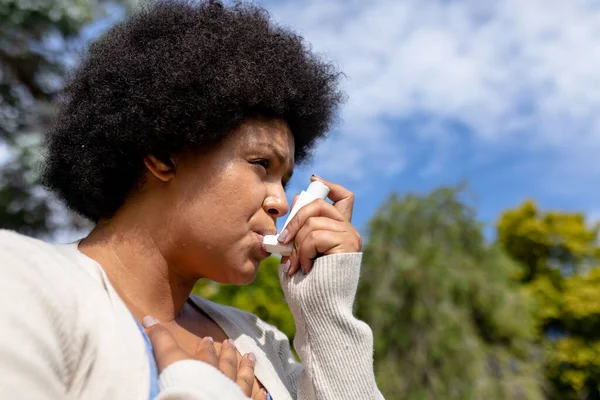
{"x":276,"y":205}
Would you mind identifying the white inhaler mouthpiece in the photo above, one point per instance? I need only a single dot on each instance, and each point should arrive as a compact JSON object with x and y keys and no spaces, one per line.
{"x":316,"y":190}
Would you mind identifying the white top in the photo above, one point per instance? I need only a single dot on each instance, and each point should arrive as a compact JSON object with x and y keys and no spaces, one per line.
{"x":66,"y":334}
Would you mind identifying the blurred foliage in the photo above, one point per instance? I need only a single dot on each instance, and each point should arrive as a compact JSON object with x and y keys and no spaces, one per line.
{"x":263,"y":297}
{"x":558,"y":254}
{"x":36,"y":48}
{"x":548,"y":244}
{"x":449,"y":321}
{"x":23,"y":207}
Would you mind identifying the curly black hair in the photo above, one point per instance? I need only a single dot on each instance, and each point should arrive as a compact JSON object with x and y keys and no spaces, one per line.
{"x":179,"y":75}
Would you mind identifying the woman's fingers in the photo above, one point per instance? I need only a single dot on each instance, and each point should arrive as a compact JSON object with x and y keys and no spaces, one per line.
{"x":242,"y":374}
{"x":245,"y":374}
{"x":228,"y":360}
{"x":316,"y":242}
{"x":320,"y":228}
{"x":206,"y":352}
{"x":166,"y":349}
{"x":320,"y":242}
{"x":260,"y":395}
{"x":343,"y":199}
{"x":316,"y":208}
{"x":318,"y":224}
{"x":306,"y":257}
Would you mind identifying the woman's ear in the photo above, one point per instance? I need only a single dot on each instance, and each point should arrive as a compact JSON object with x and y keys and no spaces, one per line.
{"x":161,"y":170}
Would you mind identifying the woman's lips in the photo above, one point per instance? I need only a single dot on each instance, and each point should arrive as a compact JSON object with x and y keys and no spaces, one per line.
{"x":261,"y":245}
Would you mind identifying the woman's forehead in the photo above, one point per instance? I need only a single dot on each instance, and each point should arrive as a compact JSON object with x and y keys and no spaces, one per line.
{"x":268,"y":134}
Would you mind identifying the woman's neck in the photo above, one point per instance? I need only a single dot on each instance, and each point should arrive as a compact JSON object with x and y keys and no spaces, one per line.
{"x":137,"y":268}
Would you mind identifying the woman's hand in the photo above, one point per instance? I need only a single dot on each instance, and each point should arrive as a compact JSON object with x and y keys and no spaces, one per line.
{"x":320,"y":228}
{"x":167,"y":351}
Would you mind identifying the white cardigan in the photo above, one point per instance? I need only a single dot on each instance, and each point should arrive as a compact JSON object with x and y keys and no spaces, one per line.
{"x":66,"y":334}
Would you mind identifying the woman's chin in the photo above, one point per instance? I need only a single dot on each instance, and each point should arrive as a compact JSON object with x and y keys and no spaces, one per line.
{"x":247,"y":273}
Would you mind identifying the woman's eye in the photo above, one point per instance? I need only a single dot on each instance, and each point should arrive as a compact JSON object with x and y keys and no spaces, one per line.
{"x":263,"y":163}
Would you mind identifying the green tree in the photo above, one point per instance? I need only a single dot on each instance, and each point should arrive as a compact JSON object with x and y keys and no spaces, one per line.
{"x":547,"y":244}
{"x":449,"y":320}
{"x":36,"y":48}
{"x":558,"y":257}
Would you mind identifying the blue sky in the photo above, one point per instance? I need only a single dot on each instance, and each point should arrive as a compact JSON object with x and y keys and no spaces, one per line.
{"x":502,"y":94}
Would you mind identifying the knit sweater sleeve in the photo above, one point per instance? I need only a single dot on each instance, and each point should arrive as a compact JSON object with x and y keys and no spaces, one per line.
{"x":35,"y":358}
{"x":336,"y":348}
{"x":196,"y":380}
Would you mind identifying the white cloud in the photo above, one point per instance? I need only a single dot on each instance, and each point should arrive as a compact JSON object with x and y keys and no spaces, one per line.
{"x":357,"y":148}
{"x":513,"y":72}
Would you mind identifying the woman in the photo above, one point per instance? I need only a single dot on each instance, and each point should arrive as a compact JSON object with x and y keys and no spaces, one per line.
{"x":177,"y":136}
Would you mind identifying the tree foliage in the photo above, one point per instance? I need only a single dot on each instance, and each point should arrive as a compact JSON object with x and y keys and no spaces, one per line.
{"x":551,"y":244}
{"x":36,"y":48}
{"x":558,"y":254}
{"x":449,"y":321}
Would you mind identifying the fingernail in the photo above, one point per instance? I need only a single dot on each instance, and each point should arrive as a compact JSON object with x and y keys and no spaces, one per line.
{"x":230,"y":341}
{"x":148,"y":321}
{"x":316,"y":177}
{"x":252,"y":357}
{"x":282,"y":236}
{"x":286,"y":266}
{"x":210,"y":339}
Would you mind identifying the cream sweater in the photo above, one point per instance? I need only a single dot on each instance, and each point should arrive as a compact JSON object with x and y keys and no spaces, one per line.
{"x":66,"y":334}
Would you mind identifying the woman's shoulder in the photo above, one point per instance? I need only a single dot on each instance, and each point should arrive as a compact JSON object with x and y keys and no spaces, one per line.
{"x":36,"y":282}
{"x":19,"y":250}
{"x":11,"y":240}
{"x":26,"y":258}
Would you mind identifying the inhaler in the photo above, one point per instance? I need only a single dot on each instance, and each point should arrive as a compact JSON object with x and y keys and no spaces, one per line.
{"x":316,"y":190}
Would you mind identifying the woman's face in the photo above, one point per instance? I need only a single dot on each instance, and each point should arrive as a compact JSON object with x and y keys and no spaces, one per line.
{"x":221,"y":204}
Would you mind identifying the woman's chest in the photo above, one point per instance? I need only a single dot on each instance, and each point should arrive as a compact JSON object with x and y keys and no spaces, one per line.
{"x":192,"y":326}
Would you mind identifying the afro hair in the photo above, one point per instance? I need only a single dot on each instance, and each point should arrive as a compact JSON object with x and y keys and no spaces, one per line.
{"x":179,"y":75}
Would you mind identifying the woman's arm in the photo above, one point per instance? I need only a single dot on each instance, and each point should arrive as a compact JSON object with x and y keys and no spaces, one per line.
{"x":336,"y":348}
